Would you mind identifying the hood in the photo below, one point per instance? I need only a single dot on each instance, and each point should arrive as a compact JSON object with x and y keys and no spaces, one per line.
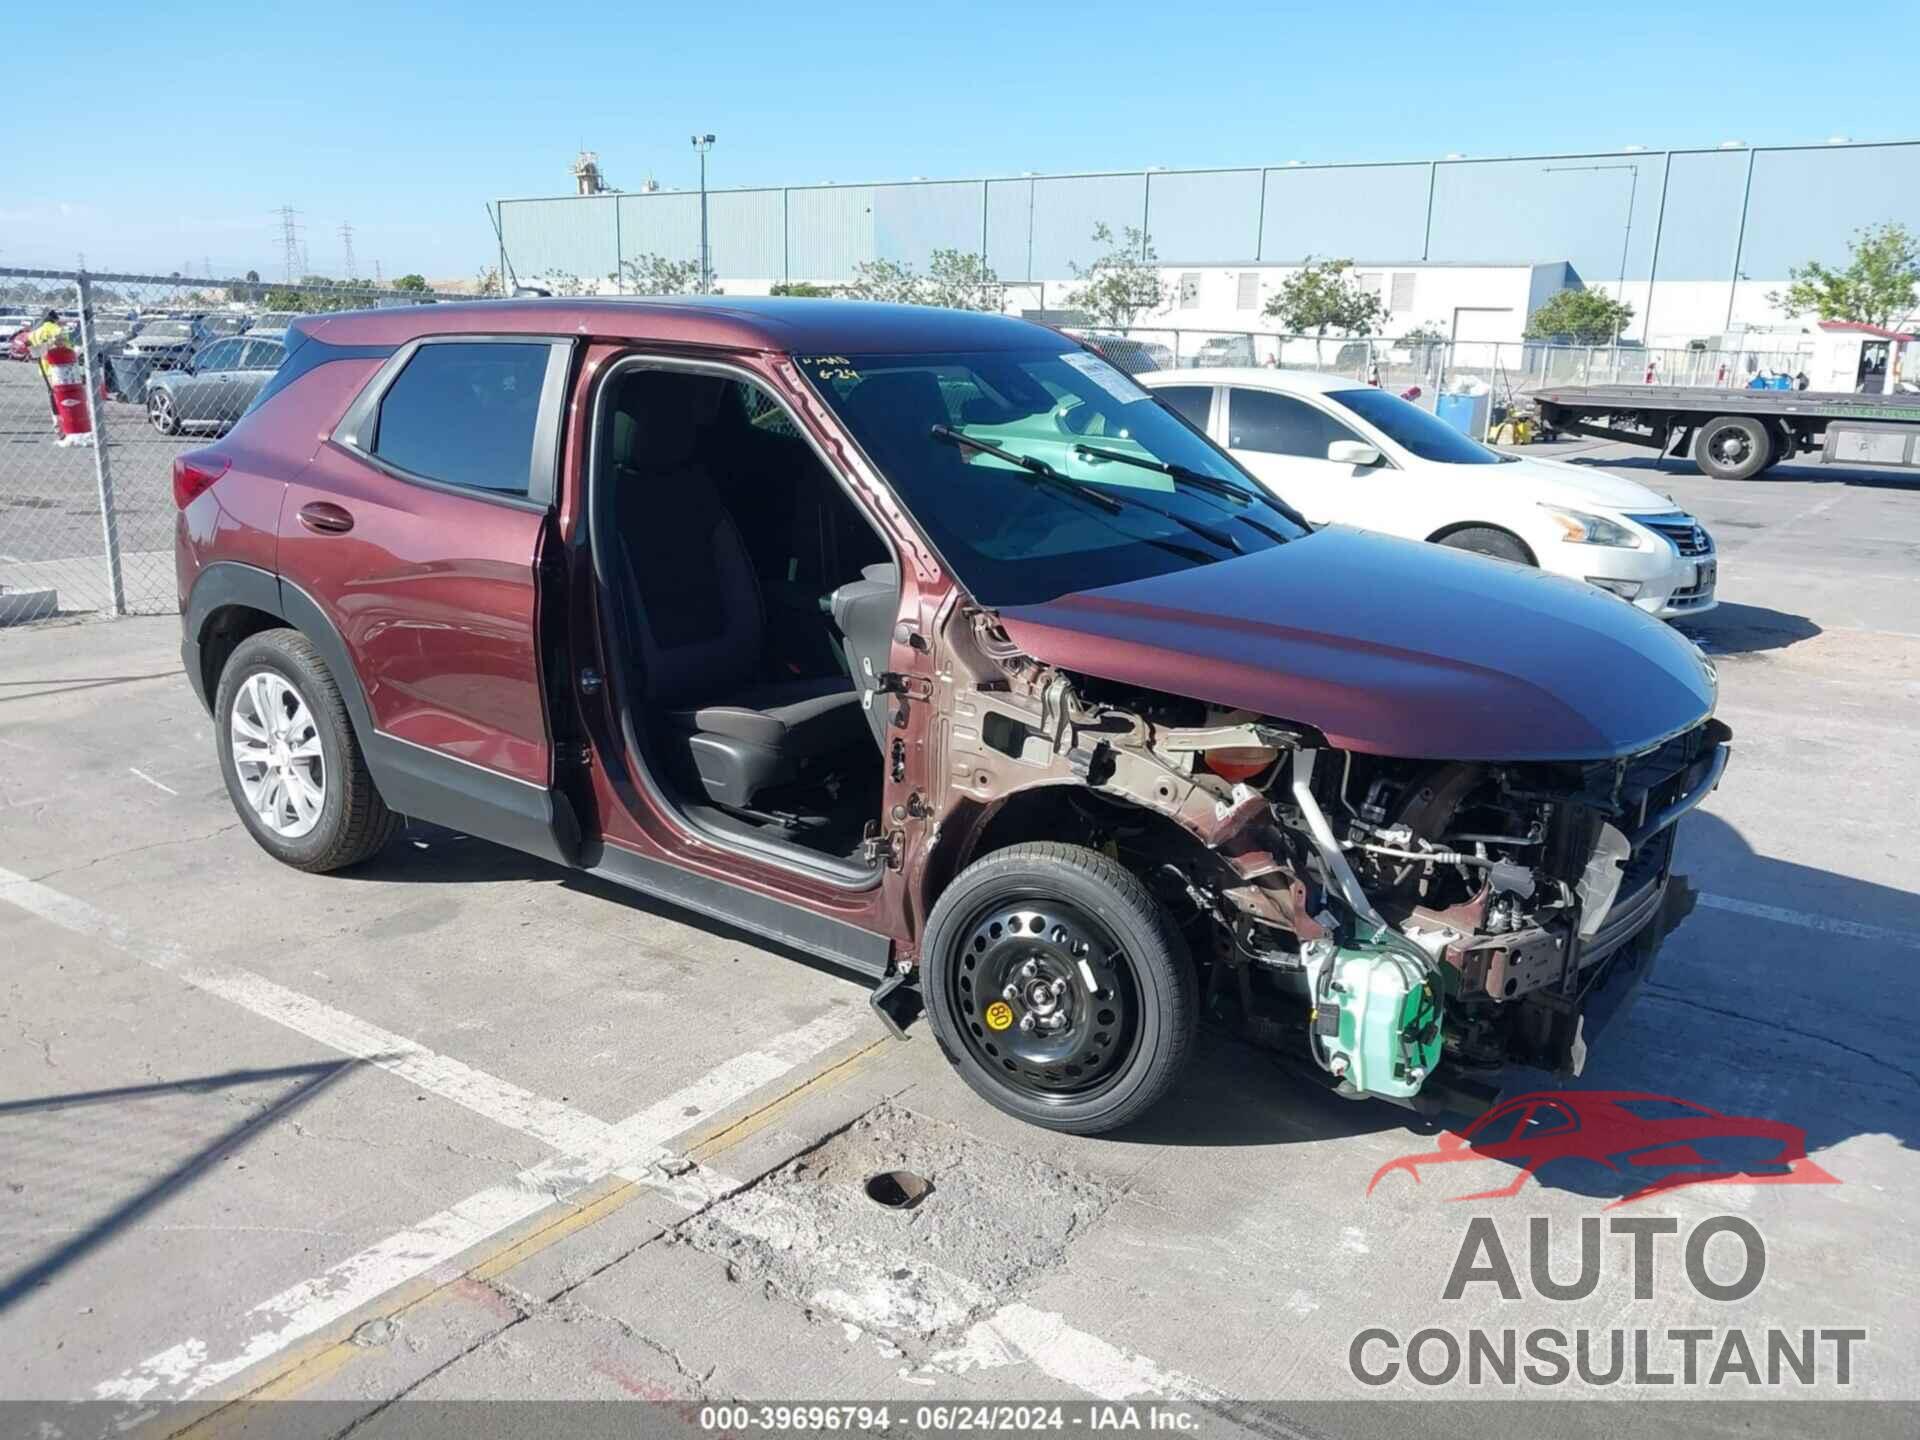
{"x":1558,"y":483}
{"x":1391,"y":647}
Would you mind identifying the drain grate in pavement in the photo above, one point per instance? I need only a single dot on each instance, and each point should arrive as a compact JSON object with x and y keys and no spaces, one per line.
{"x":984,"y":1223}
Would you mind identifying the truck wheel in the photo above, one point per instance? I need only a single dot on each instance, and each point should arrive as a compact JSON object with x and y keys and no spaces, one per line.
{"x":1059,"y":987}
{"x":1489,"y":540}
{"x":1733,"y":447}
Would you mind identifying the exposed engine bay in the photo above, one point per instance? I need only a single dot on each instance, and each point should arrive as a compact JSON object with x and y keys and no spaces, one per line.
{"x":1411,"y":926}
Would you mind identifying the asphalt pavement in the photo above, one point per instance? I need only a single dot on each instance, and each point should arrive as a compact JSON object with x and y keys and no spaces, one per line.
{"x":463,"y":1126}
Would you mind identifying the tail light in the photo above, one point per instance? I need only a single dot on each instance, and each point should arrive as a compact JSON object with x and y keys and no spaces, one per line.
{"x":194,"y":472}
{"x":1240,"y":762}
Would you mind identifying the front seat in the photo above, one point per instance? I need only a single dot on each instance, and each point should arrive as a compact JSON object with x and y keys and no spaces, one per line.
{"x":698,"y":616}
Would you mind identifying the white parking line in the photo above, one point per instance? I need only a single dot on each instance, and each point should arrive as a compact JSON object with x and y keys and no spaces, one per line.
{"x":564,"y":1128}
{"x":1808,"y":920}
{"x":633,"y":1149}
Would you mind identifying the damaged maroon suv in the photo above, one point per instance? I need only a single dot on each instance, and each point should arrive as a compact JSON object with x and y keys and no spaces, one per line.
{"x":928,"y":643}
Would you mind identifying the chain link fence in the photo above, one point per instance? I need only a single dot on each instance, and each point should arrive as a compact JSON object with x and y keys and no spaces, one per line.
{"x":160,"y":364}
{"x":1512,"y":371}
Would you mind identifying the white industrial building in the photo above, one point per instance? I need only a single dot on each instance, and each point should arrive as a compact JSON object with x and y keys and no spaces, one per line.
{"x":1696,"y":240}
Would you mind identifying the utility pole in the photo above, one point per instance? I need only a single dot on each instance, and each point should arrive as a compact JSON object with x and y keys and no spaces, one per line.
{"x":1626,"y":240}
{"x":702,"y":144}
{"x":347,"y":271}
{"x":289,"y":239}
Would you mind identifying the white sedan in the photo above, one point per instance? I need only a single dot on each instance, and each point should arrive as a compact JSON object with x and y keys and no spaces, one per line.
{"x":1344,"y":453}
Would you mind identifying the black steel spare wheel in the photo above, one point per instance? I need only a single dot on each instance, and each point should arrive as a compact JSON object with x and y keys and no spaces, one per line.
{"x":1059,"y":987}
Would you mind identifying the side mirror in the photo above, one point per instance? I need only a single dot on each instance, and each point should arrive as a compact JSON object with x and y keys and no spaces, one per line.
{"x":1353,"y":452}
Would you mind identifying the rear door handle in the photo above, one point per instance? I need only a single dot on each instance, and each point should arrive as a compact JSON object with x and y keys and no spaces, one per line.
{"x":325,"y":518}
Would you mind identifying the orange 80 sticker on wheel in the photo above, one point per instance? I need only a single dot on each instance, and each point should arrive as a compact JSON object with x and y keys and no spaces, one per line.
{"x":999,"y":1015}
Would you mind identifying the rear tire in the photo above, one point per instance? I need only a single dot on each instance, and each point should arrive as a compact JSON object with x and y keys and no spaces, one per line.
{"x":1733,"y":447}
{"x":1489,"y":540}
{"x":315,"y":812}
{"x":1037,"y":923}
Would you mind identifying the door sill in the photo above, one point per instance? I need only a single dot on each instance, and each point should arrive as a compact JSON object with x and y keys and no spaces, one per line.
{"x":866,"y":952}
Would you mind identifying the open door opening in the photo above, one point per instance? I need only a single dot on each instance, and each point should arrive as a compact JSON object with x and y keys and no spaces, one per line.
{"x":750,"y":600}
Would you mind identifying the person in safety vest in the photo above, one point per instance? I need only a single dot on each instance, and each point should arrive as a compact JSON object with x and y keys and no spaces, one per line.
{"x":44,"y":337}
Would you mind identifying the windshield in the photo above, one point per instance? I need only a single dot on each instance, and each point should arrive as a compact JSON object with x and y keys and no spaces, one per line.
{"x":1094,"y":483}
{"x":168,"y":330}
{"x":225,"y":324}
{"x":1415,"y":430}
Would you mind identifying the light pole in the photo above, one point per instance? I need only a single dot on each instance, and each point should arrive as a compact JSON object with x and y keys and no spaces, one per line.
{"x":1633,"y":190}
{"x":702,"y":144}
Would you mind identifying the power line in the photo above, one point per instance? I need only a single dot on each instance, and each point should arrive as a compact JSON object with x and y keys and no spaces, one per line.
{"x":347,"y":272}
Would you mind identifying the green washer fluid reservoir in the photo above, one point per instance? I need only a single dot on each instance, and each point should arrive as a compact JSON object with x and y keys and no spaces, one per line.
{"x":1376,"y":1018}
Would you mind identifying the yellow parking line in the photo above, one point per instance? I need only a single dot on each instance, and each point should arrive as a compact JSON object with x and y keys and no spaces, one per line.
{"x":332,"y":1350}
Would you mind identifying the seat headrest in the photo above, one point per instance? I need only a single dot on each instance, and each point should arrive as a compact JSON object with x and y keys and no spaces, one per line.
{"x":666,"y":411}
{"x":898,"y":400}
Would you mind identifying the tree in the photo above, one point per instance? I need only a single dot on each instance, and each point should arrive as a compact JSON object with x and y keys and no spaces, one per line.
{"x":1580,"y":317}
{"x":963,"y":280}
{"x":886,"y":280}
{"x":1879,"y":286}
{"x":1122,"y":283}
{"x":486,"y":281}
{"x":657,"y":275}
{"x":802,"y":289}
{"x":409,"y":282}
{"x":1321,"y":296}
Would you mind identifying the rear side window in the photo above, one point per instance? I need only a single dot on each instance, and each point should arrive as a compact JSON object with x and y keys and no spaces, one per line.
{"x":261,"y":355}
{"x":1280,"y":425}
{"x":465,"y":414}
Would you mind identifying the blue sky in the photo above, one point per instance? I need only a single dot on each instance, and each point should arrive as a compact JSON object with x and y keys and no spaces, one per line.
{"x":193,"y":131}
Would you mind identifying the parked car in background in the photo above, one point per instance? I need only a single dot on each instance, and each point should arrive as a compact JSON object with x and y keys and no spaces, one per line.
{"x":164,"y":342}
{"x":273,"y":322}
{"x":1341,"y":452}
{"x":19,"y":346}
{"x":111,"y":334}
{"x":1225,"y":350}
{"x":1139,"y":736}
{"x":1131,"y":355}
{"x":215,"y":387}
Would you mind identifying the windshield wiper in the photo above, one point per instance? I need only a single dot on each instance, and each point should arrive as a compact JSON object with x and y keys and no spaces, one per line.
{"x":1040,"y":470}
{"x":1207,"y":484}
{"x":1199,"y":479}
{"x":1029,"y":464}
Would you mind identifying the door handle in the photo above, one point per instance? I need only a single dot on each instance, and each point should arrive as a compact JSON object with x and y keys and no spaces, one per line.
{"x":325,"y":518}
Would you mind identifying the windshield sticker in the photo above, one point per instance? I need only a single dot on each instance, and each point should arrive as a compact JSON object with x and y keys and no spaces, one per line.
{"x":1114,"y":382}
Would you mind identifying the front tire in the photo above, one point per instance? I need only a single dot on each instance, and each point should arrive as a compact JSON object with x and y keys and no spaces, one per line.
{"x":1489,"y":540}
{"x":1059,"y":987}
{"x":292,"y":763}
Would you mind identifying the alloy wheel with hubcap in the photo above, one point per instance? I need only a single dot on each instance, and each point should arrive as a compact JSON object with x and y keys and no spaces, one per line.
{"x":277,"y":754}
{"x":160,"y":412}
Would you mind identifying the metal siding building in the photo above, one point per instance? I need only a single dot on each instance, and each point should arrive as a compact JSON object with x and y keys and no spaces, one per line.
{"x":1716,"y":229}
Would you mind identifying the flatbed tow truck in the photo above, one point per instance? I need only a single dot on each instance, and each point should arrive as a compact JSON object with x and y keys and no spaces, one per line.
{"x":1736,"y":434}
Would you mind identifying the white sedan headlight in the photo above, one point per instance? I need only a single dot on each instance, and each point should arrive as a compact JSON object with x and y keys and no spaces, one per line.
{"x":1584,"y":529}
